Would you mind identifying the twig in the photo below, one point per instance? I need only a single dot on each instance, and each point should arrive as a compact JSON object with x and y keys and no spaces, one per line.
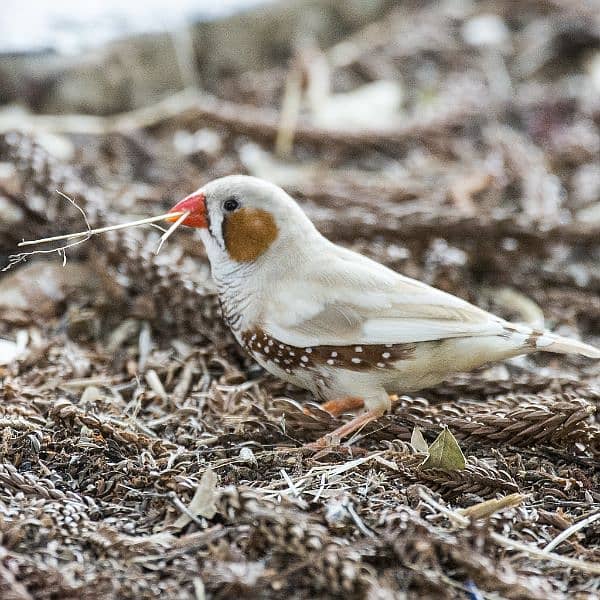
{"x":167,"y":234}
{"x":155,"y":384}
{"x":358,"y":521}
{"x":489,"y":507}
{"x":257,"y":122}
{"x":187,"y":543}
{"x":290,"y":483}
{"x":183,"y":45}
{"x":15,"y":259}
{"x":533,"y":552}
{"x":505,"y":542}
{"x":87,"y":223}
{"x":91,"y":232}
{"x":559,"y":539}
{"x":290,"y":110}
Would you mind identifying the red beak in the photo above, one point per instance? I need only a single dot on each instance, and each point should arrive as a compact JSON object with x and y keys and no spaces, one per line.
{"x":196,"y":205}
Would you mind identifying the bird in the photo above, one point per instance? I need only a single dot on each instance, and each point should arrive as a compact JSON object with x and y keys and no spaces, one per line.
{"x":332,"y":321}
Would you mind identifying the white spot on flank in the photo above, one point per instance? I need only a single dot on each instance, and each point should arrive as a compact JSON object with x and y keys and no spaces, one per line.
{"x":386,"y":355}
{"x":389,"y":345}
{"x":281,"y":345}
{"x":333,"y":354}
{"x":308,"y":350}
{"x":270,"y":342}
{"x":253,"y":337}
{"x":358,"y":349}
{"x":330,"y":361}
{"x":266,"y":349}
{"x":356,"y":360}
{"x":303,"y":365}
{"x":304,"y":358}
{"x":292,"y":353}
{"x":277,"y":360}
{"x":259,"y":344}
{"x":381,"y":365}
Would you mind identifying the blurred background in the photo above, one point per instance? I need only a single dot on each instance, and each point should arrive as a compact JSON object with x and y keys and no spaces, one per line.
{"x":463,"y":134}
{"x":455,"y":141}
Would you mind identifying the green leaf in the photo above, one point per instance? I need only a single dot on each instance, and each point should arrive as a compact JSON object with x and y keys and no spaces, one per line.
{"x":445,"y":453}
{"x":417,"y":441}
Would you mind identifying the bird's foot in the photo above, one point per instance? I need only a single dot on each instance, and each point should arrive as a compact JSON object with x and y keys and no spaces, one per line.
{"x":333,"y":439}
{"x":340,"y":406}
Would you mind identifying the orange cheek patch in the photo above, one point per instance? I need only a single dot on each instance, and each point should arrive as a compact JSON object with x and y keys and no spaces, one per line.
{"x":248,"y":233}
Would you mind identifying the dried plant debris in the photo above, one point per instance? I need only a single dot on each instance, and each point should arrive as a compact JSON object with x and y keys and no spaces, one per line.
{"x":144,"y":455}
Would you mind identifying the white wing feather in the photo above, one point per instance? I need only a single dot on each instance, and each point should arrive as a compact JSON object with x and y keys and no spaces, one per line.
{"x":350,"y":299}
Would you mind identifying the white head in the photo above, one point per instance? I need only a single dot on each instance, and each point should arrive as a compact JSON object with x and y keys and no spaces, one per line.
{"x":246,"y":220}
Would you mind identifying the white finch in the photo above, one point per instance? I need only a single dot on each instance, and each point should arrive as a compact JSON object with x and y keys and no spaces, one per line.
{"x":333,"y":321}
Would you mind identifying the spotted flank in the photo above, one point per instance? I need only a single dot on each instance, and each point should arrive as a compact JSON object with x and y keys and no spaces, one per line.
{"x":356,"y":357}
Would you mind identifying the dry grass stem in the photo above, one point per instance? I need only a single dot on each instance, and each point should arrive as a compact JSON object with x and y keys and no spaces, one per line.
{"x":91,"y":232}
{"x":567,"y":533}
{"x":531,"y":551}
{"x":489,"y":507}
{"x":163,"y":238}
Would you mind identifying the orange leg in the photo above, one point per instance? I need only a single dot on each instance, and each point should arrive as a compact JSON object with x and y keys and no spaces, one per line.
{"x":346,"y":429}
{"x":343,"y":405}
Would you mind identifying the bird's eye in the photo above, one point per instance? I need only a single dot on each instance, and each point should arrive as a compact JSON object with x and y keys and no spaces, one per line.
{"x":231,"y":204}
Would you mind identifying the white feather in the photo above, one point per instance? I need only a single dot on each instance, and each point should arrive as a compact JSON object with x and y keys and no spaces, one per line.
{"x":306,"y":291}
{"x":348,"y":299}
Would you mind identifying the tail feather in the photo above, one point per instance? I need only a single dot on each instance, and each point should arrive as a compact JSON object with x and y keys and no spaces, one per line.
{"x":550,"y":342}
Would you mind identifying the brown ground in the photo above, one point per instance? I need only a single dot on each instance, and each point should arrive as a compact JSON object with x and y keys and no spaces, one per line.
{"x":131,"y":388}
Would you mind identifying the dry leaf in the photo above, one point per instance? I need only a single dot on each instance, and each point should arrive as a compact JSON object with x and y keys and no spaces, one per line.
{"x":203,"y":502}
{"x":445,"y":453}
{"x":417,"y":441}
